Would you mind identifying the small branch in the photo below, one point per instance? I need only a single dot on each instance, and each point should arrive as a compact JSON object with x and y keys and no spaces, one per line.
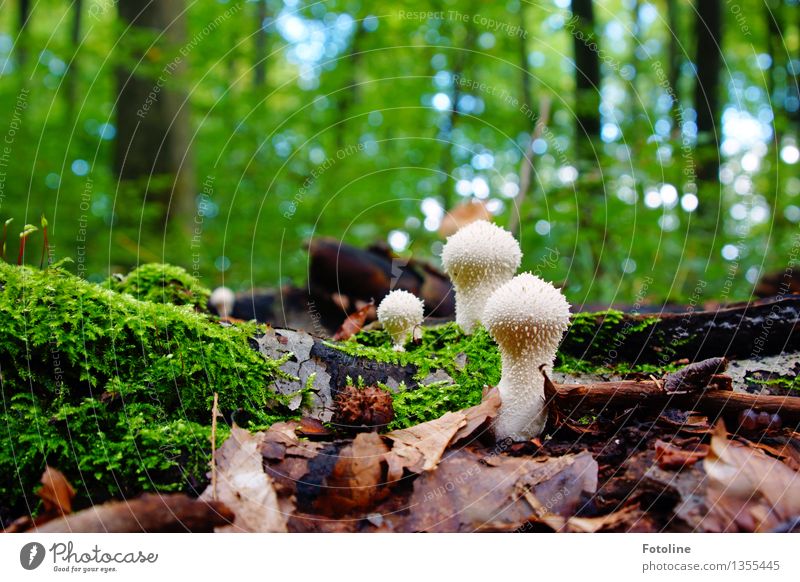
{"x":214,"y":415}
{"x":569,"y":400}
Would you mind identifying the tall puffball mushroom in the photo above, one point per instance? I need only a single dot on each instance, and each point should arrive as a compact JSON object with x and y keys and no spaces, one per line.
{"x":526,"y":317}
{"x":399,"y":313}
{"x":479,"y":258}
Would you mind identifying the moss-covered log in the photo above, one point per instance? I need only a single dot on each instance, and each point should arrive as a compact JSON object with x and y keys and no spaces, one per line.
{"x":113,"y":391}
{"x":761,"y":328}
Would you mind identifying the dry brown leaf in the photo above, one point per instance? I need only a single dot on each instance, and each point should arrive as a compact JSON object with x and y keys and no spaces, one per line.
{"x":748,"y":491}
{"x":244,"y":487}
{"x":419,"y":448}
{"x":149,"y":513}
{"x":357,"y":482}
{"x":465,"y":493}
{"x":627,"y":516}
{"x":354,"y":322}
{"x":56,"y":493}
{"x":462,"y":215}
{"x":669,"y":456}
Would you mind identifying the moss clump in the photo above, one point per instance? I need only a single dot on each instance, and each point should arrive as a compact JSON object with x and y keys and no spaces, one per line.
{"x":160,"y":283}
{"x":114,"y":392}
{"x":472,"y":361}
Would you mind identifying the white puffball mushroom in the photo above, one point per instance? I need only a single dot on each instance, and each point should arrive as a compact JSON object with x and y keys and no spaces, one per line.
{"x":479,"y":258}
{"x":526,"y":317}
{"x":222,"y":299}
{"x":399,"y":313}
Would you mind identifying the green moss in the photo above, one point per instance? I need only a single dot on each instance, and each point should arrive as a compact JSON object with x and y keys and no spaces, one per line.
{"x":114,"y":392}
{"x":162,"y":284}
{"x":471,"y":361}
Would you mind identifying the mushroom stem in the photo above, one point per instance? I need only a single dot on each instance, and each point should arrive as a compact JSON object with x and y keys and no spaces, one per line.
{"x":523,"y":413}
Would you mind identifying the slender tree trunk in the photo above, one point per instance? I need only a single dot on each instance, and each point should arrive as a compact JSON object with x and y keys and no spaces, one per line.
{"x":23,"y":18}
{"x":153,"y":127}
{"x":674,"y":66}
{"x":260,"y":68}
{"x":74,"y":69}
{"x":708,"y":62}
{"x":587,"y":77}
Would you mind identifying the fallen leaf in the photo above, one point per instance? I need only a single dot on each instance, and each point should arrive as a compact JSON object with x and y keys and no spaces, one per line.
{"x":353,"y":323}
{"x":616,"y":521}
{"x":669,"y":456}
{"x":419,"y":448}
{"x":244,"y":487}
{"x":465,"y":494}
{"x":358,"y":481}
{"x":748,"y":491}
{"x":149,"y":513}
{"x":56,"y":493}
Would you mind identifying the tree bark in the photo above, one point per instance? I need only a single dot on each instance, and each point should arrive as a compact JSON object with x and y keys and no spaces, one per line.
{"x":74,"y":68}
{"x":587,"y":77}
{"x":23,"y":18}
{"x":674,"y":70}
{"x":708,"y":63}
{"x":153,"y":126}
{"x":260,"y":67}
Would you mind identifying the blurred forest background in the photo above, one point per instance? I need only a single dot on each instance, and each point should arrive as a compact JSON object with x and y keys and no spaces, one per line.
{"x":640,"y":149}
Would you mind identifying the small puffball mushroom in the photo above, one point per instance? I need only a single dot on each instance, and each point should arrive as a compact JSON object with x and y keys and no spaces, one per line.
{"x":399,"y":312}
{"x":222,"y":300}
{"x":479,"y":258}
{"x":526,"y":317}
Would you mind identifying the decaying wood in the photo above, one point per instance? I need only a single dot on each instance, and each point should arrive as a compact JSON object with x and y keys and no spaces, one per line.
{"x":760,"y":328}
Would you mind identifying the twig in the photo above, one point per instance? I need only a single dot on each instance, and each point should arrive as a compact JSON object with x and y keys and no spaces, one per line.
{"x":214,"y":414}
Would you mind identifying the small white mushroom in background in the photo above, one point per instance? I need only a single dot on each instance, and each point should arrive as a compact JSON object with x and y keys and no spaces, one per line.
{"x":526,"y":317}
{"x":399,"y":313}
{"x":479,"y":258}
{"x":222,"y":300}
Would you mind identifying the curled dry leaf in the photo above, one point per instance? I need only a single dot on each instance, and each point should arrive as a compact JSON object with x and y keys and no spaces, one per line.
{"x":56,"y":493}
{"x":623,"y":520}
{"x":670,"y":456}
{"x":358,"y":479}
{"x":748,"y":491}
{"x":354,"y":322}
{"x":244,"y":487}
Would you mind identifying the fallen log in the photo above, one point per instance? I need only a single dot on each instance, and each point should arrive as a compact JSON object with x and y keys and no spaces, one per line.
{"x":760,"y":328}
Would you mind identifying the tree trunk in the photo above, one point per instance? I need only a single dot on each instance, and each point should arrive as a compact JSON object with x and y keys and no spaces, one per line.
{"x":74,"y":69}
{"x":674,"y":66}
{"x":23,"y":18}
{"x":153,"y":127}
{"x":587,"y":78}
{"x":260,"y":67}
{"x":708,"y":62}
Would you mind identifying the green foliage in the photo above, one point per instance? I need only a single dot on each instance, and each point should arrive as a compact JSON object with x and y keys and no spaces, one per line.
{"x":352,"y":146}
{"x":115,"y":392}
{"x":161,"y":283}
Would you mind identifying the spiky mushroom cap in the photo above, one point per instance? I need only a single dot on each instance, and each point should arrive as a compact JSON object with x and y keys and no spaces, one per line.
{"x":479,"y":258}
{"x":399,"y":312}
{"x":527,"y":314}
